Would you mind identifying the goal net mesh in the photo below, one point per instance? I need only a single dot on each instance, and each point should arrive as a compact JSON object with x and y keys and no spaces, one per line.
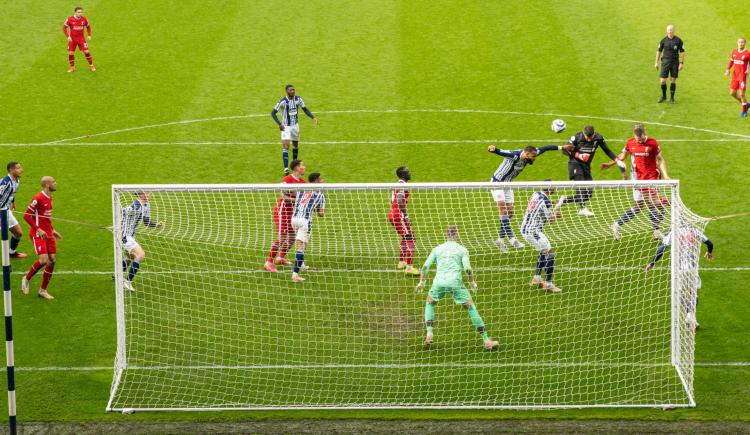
{"x":208,"y":328}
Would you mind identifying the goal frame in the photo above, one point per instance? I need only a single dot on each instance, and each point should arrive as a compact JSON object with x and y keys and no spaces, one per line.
{"x":121,"y":362}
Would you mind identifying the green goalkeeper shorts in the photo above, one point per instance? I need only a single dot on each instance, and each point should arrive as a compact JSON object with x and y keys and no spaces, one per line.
{"x":459,"y":293}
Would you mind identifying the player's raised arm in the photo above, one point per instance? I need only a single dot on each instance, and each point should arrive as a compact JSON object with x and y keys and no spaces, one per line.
{"x":503,"y":153}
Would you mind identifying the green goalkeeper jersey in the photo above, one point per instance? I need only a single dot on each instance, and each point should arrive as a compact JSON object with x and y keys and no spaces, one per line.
{"x":452,"y":259}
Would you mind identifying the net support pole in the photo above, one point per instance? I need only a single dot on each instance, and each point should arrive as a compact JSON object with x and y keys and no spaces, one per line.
{"x":9,"y":357}
{"x":675,"y":277}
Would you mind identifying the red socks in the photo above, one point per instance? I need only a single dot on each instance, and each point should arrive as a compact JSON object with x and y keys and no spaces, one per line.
{"x":34,"y":269}
{"x":48,"y":270}
{"x":71,"y":59}
{"x":89,"y":59}
{"x":274,"y":251}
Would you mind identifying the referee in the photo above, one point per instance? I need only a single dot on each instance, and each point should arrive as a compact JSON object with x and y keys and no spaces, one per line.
{"x":672,"y":54}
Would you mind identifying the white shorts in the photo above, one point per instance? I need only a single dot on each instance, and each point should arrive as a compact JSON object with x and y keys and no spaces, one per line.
{"x":538,"y":241}
{"x":291,"y":132}
{"x":129,"y":243}
{"x":502,"y":195}
{"x":637,"y":195}
{"x":12,"y":221}
{"x":301,"y":228}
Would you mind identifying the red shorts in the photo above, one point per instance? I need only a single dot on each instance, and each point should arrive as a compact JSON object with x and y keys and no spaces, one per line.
{"x":402,"y":226}
{"x":737,"y":84}
{"x":77,"y":42}
{"x":44,"y":246}
{"x":648,"y":191}
{"x":282,"y":219}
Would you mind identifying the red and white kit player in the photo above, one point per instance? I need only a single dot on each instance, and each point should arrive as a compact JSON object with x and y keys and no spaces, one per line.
{"x":282,"y":218}
{"x":647,"y":163}
{"x":739,"y":61}
{"x":399,"y":218}
{"x":39,"y":217}
{"x":76,"y":23}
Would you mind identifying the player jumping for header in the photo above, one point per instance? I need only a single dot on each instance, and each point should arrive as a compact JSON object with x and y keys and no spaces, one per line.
{"x":647,"y":163}
{"x":76,"y":23}
{"x":289,"y":123}
{"x":513,"y":163}
{"x":305,"y":204}
{"x":585,"y":143}
{"x":451,"y":258}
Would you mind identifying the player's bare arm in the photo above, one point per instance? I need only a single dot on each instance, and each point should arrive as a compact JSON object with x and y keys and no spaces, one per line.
{"x":56,"y":235}
{"x":662,"y":164}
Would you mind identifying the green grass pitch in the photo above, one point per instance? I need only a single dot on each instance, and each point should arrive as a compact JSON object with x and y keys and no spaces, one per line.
{"x":398,"y":73}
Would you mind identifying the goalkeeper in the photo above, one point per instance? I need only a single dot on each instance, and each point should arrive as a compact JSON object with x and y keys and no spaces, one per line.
{"x":451,"y":258}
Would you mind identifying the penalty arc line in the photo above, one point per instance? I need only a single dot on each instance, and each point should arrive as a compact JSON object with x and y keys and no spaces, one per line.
{"x":470,"y":111}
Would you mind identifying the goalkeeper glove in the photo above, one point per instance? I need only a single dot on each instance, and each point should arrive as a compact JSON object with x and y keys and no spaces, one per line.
{"x":420,"y":286}
{"x":473,"y":286}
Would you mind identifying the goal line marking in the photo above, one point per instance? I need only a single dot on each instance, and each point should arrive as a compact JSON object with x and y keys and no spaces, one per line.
{"x":374,"y":366}
{"x":381,"y":111}
{"x":312,"y":270}
{"x":343,"y":142}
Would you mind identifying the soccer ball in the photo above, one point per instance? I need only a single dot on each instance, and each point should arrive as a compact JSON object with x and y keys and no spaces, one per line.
{"x":558,"y":126}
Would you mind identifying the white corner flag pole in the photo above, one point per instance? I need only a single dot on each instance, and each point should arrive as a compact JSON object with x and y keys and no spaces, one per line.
{"x":8,"y":323}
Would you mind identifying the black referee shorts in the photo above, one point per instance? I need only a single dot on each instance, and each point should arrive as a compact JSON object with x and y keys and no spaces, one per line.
{"x":577,"y":171}
{"x":669,"y":69}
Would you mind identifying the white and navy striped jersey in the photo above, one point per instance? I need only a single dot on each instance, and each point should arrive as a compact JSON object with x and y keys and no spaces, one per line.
{"x":289,"y":110}
{"x":307,"y":203}
{"x":690,"y":246}
{"x":8,"y":189}
{"x":132,"y":217}
{"x":512,"y":164}
{"x":537,"y":214}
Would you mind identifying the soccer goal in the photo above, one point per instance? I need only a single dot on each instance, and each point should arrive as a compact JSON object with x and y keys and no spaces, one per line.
{"x":207,"y":328}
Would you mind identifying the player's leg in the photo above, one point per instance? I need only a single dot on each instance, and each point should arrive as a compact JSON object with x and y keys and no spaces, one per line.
{"x":549,"y":268}
{"x":476,"y":320}
{"x":733,"y":91}
{"x":301,"y":228}
{"x":743,"y":99}
{"x":429,"y":319}
{"x":673,"y":84}
{"x":499,"y":197}
{"x":629,"y":214}
{"x":295,"y":149}
{"x":138,"y":255}
{"x":85,"y":49}
{"x":655,"y":211}
{"x":294,"y":136}
{"x":278,"y":223}
{"x":49,"y":269}
{"x":409,"y":241}
{"x":15,"y":236}
{"x":40,"y":247}
{"x":541,"y":262}
{"x":72,"y":56}
{"x":663,"y":83}
{"x":285,"y":141}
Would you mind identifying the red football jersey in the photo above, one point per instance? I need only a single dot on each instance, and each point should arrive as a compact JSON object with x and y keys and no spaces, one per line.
{"x":289,"y":179}
{"x":395,"y":210}
{"x":76,"y":26}
{"x":39,"y":214}
{"x":740,"y":60}
{"x":643,"y":158}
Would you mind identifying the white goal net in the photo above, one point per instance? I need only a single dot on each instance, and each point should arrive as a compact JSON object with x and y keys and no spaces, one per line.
{"x":206,"y":327}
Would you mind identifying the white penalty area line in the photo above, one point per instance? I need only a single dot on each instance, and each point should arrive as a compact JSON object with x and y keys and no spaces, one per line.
{"x":394,"y":271}
{"x":341,"y":142}
{"x":375,"y":366}
{"x":400,"y":111}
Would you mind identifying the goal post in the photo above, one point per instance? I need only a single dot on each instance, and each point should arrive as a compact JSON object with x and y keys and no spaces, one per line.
{"x":207,"y":328}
